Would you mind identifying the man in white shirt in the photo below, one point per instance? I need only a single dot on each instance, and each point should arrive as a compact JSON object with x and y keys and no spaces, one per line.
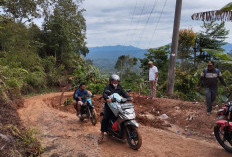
{"x":153,"y":77}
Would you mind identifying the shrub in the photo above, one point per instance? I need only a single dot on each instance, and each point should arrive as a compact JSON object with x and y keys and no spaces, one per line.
{"x":68,"y":101}
{"x":36,"y":80}
{"x":186,"y":83}
{"x":96,"y":88}
{"x":91,"y":76}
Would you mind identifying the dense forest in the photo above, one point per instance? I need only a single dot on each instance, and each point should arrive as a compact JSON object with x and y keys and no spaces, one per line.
{"x":37,"y":59}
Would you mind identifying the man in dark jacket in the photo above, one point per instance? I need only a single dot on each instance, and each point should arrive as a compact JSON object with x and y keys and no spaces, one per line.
{"x":209,"y":78}
{"x":113,"y":87}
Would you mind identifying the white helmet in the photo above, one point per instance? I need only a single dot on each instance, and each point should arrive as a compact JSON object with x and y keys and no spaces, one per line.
{"x":114,"y":77}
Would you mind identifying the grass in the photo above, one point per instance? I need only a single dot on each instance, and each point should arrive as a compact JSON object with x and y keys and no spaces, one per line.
{"x":24,"y":142}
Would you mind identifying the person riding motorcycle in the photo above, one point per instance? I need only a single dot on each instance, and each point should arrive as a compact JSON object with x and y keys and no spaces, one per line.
{"x":114,"y":87}
{"x":80,"y":92}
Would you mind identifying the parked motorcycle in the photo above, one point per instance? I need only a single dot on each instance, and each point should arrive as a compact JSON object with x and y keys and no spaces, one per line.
{"x":125,"y":126}
{"x":223,"y":128}
{"x":88,"y":110}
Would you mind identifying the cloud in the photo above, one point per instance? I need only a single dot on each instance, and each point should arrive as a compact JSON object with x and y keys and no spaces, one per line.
{"x":124,"y":22}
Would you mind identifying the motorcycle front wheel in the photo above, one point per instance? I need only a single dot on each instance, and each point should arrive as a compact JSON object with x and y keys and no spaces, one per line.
{"x":93,"y":117}
{"x":219,"y":134}
{"x":134,"y":138}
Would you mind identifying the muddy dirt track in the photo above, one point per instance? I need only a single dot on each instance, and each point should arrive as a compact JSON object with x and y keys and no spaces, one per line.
{"x":62,"y":134}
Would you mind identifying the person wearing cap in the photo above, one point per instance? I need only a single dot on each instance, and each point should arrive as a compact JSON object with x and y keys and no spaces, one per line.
{"x":153,"y":78}
{"x":209,"y":78}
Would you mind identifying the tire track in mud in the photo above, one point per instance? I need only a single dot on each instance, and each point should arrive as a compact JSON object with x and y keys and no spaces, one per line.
{"x":62,"y":134}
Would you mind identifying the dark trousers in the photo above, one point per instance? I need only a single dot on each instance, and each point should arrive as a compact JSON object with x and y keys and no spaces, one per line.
{"x":210,"y":94}
{"x":108,"y":114}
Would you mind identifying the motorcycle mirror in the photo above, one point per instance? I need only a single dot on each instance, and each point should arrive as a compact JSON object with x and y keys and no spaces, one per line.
{"x":224,"y":98}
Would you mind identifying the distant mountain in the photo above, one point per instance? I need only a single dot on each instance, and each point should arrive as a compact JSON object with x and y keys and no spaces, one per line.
{"x":227,"y":47}
{"x":105,"y":57}
{"x":115,"y":51}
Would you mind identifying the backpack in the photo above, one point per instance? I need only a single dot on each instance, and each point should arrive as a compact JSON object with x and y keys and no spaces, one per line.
{"x":206,"y":70}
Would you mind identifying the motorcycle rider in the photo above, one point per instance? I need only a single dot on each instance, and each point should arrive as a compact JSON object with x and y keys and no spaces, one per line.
{"x":114,"y":87}
{"x":80,"y":92}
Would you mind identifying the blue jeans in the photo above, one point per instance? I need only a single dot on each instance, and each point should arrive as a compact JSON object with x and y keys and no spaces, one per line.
{"x":210,"y":94}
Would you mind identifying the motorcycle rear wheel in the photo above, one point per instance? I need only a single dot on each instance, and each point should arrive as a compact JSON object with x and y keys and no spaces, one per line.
{"x":93,"y":118}
{"x":219,"y":134}
{"x":134,"y":138}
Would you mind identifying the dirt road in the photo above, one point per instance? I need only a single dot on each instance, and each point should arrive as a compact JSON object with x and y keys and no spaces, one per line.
{"x":63,"y":135}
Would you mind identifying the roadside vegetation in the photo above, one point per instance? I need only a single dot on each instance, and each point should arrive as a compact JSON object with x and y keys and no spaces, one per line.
{"x":37,"y":59}
{"x":195,"y":50}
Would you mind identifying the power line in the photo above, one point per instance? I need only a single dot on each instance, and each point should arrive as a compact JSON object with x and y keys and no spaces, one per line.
{"x":148,"y":19}
{"x":157,"y":23}
{"x":132,"y":13}
{"x":132,"y":18}
{"x":139,"y":21}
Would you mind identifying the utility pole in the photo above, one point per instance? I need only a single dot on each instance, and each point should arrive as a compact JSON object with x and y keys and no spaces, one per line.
{"x":174,"y":47}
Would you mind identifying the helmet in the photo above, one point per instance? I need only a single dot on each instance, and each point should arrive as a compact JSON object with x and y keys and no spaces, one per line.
{"x":114,"y":77}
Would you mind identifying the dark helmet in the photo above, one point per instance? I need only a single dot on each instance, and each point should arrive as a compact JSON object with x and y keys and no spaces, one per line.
{"x":114,"y":77}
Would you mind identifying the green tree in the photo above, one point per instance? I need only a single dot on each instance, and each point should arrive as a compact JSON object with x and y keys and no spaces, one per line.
{"x":20,"y":10}
{"x":125,"y":63}
{"x":212,"y":36}
{"x":185,"y":45}
{"x":14,"y":36}
{"x":65,"y":32}
{"x":160,"y":58}
{"x":35,"y":38}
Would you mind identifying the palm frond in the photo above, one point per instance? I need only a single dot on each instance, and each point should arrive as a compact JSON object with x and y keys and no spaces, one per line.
{"x":215,"y":15}
{"x":227,"y":7}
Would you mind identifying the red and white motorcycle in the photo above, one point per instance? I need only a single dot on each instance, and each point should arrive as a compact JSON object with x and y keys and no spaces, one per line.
{"x":223,"y":128}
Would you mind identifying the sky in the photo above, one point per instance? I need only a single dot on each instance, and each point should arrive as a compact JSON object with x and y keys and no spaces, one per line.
{"x":141,"y":23}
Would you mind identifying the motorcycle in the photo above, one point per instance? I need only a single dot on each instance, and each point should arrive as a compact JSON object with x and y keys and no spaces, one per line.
{"x":88,"y":110}
{"x":125,"y":126}
{"x":223,"y":128}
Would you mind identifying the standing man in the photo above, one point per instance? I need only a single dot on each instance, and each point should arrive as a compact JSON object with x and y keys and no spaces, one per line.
{"x":209,"y":78}
{"x":153,"y":78}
